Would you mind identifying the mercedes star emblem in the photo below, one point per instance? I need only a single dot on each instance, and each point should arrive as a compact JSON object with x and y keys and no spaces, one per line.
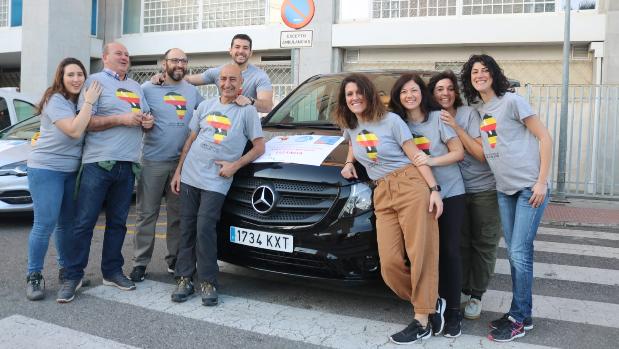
{"x":263,"y":199}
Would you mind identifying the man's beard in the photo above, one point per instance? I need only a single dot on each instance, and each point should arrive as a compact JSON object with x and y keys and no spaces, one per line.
{"x":176,"y":75}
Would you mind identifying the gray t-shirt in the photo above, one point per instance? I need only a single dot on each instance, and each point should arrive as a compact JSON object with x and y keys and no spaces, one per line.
{"x":54,"y":150}
{"x":254,"y":80}
{"x":378,"y":145}
{"x":172,"y":107}
{"x":477,"y":176}
{"x":510,"y":149}
{"x":432,"y":136}
{"x":223,"y":131}
{"x":119,"y":143}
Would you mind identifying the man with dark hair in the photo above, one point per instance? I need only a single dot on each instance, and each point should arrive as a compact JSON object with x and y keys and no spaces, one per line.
{"x":172,"y":103}
{"x":257,"y":89}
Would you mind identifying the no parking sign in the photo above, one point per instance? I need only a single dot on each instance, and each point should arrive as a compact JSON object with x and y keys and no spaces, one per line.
{"x":297,"y":13}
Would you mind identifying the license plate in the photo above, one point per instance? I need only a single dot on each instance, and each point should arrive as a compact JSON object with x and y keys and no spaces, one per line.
{"x":261,"y":239}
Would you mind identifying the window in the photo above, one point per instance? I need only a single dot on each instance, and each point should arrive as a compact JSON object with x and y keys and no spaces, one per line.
{"x":165,"y":15}
{"x":4,"y":13}
{"x":23,"y":110}
{"x":412,"y":8}
{"x":93,"y":18}
{"x":5,"y":117}
{"x":233,"y":13}
{"x":16,"y":13}
{"x":486,"y":7}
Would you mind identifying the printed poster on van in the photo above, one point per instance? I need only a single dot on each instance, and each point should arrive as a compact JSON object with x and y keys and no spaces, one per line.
{"x":300,"y":149}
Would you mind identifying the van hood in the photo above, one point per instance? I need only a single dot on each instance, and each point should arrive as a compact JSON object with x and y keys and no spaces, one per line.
{"x":12,"y":151}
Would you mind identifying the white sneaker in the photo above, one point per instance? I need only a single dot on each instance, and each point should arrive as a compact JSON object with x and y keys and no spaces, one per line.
{"x":472,"y":311}
{"x":464,"y":300}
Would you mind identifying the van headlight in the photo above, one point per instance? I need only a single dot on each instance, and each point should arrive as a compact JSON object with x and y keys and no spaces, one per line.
{"x":359,"y":201}
{"x":15,"y":169}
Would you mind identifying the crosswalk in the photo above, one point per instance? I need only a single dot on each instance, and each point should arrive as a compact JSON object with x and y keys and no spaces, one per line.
{"x":282,"y":317}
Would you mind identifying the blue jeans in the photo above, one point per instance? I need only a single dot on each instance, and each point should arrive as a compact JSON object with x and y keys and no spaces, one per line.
{"x":54,"y":210}
{"x":520,"y":221}
{"x":98,"y":185}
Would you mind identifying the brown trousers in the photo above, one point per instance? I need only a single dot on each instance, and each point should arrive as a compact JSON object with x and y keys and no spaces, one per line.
{"x":406,"y":230}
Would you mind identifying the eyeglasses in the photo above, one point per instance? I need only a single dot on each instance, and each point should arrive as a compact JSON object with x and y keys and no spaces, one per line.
{"x":178,"y":60}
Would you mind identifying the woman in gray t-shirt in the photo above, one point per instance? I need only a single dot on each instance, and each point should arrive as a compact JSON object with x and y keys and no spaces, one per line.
{"x":52,"y":167}
{"x":518,"y":148}
{"x":411,"y":100}
{"x":406,"y":229}
{"x":481,"y":229}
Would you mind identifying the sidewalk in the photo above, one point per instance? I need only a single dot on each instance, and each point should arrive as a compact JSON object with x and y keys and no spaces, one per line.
{"x":583,"y":213}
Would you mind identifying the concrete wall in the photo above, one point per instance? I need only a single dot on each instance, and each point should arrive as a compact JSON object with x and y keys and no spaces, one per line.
{"x":47,"y":39}
{"x":610,"y":70}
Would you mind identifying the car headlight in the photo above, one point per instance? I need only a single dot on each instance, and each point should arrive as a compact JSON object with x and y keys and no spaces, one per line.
{"x":19,"y":169}
{"x":359,"y":201}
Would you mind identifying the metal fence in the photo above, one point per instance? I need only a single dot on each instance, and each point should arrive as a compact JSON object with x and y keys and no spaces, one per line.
{"x":280,"y":75}
{"x":593,"y":135}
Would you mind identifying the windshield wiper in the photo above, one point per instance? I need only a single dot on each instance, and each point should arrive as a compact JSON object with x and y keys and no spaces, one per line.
{"x":323,"y":126}
{"x":288,"y":126}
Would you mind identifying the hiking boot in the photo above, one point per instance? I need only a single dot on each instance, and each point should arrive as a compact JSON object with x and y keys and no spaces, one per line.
{"x":119,"y":280}
{"x":184,"y":289}
{"x":508,"y":331}
{"x":453,"y":323}
{"x":138,"y":273}
{"x":528,"y":322}
{"x":413,"y":333}
{"x":472,"y":311}
{"x":209,"y":294}
{"x":438,"y":319}
{"x":67,"y":290}
{"x":35,"y":286}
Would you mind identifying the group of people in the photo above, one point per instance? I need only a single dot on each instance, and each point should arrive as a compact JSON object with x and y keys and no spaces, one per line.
{"x":448,"y":178}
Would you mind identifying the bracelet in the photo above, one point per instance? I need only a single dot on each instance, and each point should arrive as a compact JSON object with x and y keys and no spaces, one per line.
{"x":348,"y":162}
{"x":86,"y":102}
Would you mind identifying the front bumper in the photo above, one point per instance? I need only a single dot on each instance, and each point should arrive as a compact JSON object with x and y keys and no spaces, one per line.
{"x":15,"y":194}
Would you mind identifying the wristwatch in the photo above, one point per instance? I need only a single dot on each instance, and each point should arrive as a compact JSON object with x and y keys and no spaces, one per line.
{"x":435,"y":188}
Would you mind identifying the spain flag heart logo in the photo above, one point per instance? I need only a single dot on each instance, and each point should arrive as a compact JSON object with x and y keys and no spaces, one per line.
{"x":369,"y":141}
{"x":129,"y":97}
{"x":178,"y":101}
{"x":488,"y":125}
{"x":221,"y":123}
{"x":422,"y":143}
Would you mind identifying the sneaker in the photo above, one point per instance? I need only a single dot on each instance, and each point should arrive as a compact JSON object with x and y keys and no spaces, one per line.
{"x":509,"y":331}
{"x":453,"y":324}
{"x":464,"y":299}
{"x":119,"y":280}
{"x":184,"y":289}
{"x":138,"y":273}
{"x":171,"y":267}
{"x":413,"y":333}
{"x":35,"y":286}
{"x":472,"y":311}
{"x":438,"y":319}
{"x":209,"y":294}
{"x":528,"y":322}
{"x":67,"y":290}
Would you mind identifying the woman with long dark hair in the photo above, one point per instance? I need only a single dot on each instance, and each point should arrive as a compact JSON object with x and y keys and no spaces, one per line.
{"x":481,"y":230}
{"x":404,"y":198}
{"x":518,"y":148}
{"x":52,"y":168}
{"x":411,"y":100}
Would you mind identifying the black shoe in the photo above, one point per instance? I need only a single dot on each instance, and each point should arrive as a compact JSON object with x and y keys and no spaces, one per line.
{"x":412,"y":333}
{"x":35,"y":286}
{"x":138,"y":273}
{"x":506,"y":319}
{"x":209,"y":294}
{"x":508,"y":331}
{"x":438,"y":319}
{"x":453,"y":323}
{"x":184,"y":289}
{"x":171,"y":267}
{"x":119,"y":280}
{"x":63,"y":271}
{"x":67,"y":290}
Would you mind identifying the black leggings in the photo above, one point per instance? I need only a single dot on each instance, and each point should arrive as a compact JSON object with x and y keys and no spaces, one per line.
{"x":450,"y":264}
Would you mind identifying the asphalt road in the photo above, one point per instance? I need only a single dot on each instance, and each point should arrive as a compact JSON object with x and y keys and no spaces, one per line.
{"x":576,"y":302}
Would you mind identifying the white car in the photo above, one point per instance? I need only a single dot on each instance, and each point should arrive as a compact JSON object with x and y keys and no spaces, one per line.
{"x":14,"y":149}
{"x":15,"y":107}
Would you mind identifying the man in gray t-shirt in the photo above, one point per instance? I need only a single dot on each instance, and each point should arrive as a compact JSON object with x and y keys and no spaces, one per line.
{"x":172,"y":104}
{"x":213,"y":152}
{"x":109,"y":161}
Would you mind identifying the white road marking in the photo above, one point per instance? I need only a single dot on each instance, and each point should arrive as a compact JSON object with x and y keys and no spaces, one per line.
{"x":309,"y":326}
{"x":575,"y":249}
{"x":17,"y":331}
{"x":578,"y":233}
{"x":566,"y":273}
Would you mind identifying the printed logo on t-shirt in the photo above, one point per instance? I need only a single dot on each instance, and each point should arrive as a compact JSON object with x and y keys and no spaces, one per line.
{"x":369,"y":141}
{"x":488,"y":125}
{"x":422,"y":143}
{"x":129,"y":97}
{"x":178,"y":101}
{"x":221,"y":124}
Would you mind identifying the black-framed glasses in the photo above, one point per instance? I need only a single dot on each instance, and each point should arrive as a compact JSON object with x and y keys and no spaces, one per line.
{"x":178,"y":60}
